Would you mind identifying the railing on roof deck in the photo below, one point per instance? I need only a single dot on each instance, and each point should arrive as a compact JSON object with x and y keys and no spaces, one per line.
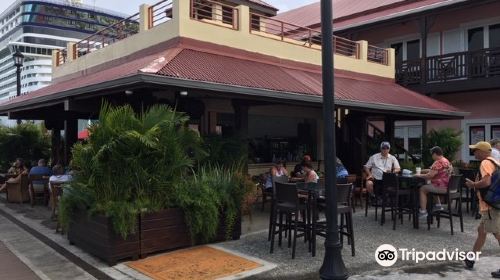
{"x":215,"y":13}
{"x":378,"y":55}
{"x":109,"y":35}
{"x":299,"y":35}
{"x":159,"y":13}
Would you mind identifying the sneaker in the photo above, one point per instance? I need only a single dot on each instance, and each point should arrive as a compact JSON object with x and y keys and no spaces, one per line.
{"x":470,"y":264}
{"x":438,"y":207}
{"x":422,"y":215}
{"x":495,"y":274}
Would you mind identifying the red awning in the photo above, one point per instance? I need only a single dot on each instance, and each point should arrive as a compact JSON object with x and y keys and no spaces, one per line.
{"x":84,"y":134}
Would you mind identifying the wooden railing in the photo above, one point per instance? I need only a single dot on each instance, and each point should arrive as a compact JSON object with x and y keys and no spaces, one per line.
{"x":299,"y":35}
{"x":61,"y":57}
{"x":215,"y":13}
{"x":159,"y":13}
{"x":378,"y":55}
{"x":450,"y":67}
{"x":109,"y":35}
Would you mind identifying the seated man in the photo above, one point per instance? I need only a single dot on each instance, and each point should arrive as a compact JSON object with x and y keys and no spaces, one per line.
{"x":377,"y":165}
{"x":40,"y":169}
{"x":58,"y":176}
{"x":439,"y":174}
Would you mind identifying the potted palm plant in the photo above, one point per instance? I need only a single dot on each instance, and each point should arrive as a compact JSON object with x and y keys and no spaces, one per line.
{"x":140,"y":187}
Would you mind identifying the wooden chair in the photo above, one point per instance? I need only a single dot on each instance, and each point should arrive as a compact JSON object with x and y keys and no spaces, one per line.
{"x":453,"y":194}
{"x":287,"y":204}
{"x":56,"y":191}
{"x":38,"y":188}
{"x":18,"y":192}
{"x":357,"y":191}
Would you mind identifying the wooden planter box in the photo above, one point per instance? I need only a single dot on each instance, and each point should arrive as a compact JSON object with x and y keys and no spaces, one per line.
{"x":96,"y":236}
{"x":156,"y":232}
{"x":163,"y":230}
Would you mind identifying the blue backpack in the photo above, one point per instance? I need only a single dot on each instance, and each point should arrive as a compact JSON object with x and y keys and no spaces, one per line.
{"x":492,"y":195}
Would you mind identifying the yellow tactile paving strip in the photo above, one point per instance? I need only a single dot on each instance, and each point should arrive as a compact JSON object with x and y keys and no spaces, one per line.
{"x":194,"y":263}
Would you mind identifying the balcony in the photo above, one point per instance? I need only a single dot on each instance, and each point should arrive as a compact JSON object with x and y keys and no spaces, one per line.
{"x":221,"y":24}
{"x":454,"y":72}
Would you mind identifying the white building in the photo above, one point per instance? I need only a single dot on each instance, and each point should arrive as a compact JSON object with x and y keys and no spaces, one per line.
{"x":36,"y":28}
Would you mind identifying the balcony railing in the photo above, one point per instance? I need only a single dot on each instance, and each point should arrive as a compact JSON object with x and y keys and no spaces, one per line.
{"x":109,"y":35}
{"x":215,"y":13}
{"x":160,"y":12}
{"x":299,"y":35}
{"x":378,"y":55}
{"x":483,"y":63}
{"x":222,"y":15}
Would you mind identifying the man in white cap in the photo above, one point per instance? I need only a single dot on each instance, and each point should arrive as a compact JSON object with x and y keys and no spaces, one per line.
{"x":377,"y":165}
{"x":490,"y":217}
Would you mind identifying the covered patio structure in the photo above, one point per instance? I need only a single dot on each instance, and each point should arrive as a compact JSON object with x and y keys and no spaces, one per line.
{"x":273,"y":103}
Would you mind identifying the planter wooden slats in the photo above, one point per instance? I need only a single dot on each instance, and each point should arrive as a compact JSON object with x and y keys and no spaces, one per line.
{"x":97,"y":236}
{"x":156,"y":232}
{"x":163,"y":230}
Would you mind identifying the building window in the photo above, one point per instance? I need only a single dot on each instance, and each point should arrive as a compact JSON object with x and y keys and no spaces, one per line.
{"x":494,"y":36}
{"x":413,"y":50}
{"x":475,"y":39}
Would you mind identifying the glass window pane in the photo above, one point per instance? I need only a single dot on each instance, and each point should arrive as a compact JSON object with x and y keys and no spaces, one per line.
{"x":494,"y":36}
{"x":476,"y":39}
{"x":413,"y":50}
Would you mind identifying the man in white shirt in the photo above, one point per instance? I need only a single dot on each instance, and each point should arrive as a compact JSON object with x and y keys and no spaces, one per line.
{"x":495,"y":149}
{"x":378,"y":164}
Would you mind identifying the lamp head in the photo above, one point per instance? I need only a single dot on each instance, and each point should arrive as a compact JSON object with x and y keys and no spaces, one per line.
{"x":18,"y":58}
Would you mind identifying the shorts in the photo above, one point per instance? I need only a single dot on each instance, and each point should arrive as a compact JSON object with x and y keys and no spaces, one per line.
{"x":491,"y":220}
{"x":433,"y":189}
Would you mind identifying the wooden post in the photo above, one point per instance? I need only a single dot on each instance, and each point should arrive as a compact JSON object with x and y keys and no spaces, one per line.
{"x":70,"y":138}
{"x":241,"y":125}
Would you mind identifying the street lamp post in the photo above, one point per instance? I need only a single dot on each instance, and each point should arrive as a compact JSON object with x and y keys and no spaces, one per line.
{"x":18,"y":62}
{"x":333,"y":266}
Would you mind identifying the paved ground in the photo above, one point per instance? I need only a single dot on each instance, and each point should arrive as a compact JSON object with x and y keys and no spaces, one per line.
{"x":368,"y":236}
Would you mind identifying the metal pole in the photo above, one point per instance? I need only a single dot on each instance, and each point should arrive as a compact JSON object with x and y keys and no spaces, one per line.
{"x":333,"y":266}
{"x":18,"y":72}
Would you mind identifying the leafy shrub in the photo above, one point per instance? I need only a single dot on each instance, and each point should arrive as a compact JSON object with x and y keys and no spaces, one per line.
{"x":132,"y":163}
{"x":144,"y":163}
{"x":26,"y":140}
{"x":448,"y":139}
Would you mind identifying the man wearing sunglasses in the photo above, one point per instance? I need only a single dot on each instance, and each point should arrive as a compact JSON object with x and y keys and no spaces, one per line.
{"x":377,"y":165}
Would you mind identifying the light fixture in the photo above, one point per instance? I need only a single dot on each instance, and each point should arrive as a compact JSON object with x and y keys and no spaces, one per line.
{"x":18,"y":58}
{"x":183,"y":93}
{"x":129,"y":92}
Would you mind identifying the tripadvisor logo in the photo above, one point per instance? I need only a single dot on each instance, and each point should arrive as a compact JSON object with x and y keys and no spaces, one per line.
{"x":387,"y":255}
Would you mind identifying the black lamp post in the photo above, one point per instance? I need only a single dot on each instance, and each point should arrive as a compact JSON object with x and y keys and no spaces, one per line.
{"x":333,"y":266}
{"x":18,"y":62}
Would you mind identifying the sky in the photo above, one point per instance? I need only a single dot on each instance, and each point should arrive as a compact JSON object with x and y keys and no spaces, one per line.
{"x":130,"y":7}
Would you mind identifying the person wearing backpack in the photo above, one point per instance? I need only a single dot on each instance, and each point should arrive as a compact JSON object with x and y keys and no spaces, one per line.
{"x":490,"y":217}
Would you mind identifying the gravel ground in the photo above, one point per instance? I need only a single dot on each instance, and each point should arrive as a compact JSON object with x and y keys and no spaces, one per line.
{"x":368,"y":236}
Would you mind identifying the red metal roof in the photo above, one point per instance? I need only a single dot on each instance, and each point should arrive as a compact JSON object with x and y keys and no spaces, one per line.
{"x":348,"y":12}
{"x":349,"y":86}
{"x":279,"y":76}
